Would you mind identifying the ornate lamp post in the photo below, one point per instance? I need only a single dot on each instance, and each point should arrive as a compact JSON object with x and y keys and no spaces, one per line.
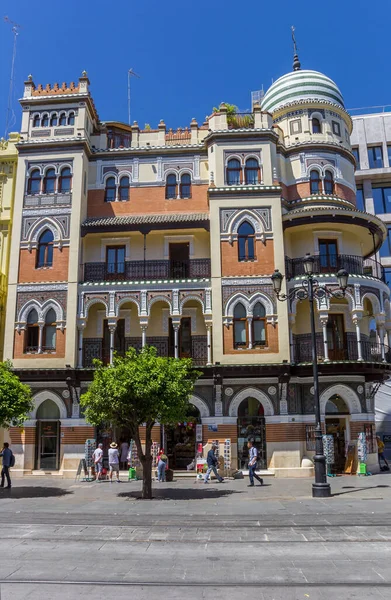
{"x":311,"y":289}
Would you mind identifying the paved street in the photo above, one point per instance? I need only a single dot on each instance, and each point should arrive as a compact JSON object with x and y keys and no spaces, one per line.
{"x":63,"y":540}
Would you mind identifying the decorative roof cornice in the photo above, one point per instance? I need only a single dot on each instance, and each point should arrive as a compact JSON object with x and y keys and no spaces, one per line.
{"x":228,"y":189}
{"x":146,"y":219}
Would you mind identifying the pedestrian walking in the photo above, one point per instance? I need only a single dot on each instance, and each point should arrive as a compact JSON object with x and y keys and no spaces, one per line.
{"x":252,"y":463}
{"x":124,"y":448}
{"x":8,"y":461}
{"x":380,"y":454}
{"x":97,"y":455}
{"x":162,"y":460}
{"x":114,"y":461}
{"x":212,"y":465}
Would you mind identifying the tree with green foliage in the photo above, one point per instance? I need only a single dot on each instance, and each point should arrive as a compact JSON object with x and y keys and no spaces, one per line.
{"x":15,"y":398}
{"x":140,"y":388}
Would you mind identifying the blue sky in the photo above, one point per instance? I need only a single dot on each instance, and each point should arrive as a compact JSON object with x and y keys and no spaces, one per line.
{"x":192,"y":55}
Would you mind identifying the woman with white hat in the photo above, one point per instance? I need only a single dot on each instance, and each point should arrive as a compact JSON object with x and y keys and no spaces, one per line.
{"x":114,"y":461}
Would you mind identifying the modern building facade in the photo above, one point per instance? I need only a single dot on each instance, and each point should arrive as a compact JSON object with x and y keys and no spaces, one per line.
{"x":125,"y":237}
{"x":371,"y":145}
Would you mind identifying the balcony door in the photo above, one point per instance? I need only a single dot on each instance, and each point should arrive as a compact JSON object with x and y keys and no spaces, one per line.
{"x":119,"y":340}
{"x":179,"y":260}
{"x":184,"y":338}
{"x":336,"y":338}
{"x":115,"y":262}
{"x":328,"y":256}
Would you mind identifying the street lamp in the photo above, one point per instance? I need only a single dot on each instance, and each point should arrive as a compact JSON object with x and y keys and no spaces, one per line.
{"x":311,"y":289}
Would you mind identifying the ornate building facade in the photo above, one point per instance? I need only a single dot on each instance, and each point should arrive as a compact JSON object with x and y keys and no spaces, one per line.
{"x":125,"y":237}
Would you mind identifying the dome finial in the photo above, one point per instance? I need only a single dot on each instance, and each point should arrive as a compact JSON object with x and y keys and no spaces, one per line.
{"x":296,"y":62}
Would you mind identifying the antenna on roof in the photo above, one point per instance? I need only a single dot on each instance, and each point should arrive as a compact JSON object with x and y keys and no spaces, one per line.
{"x":296,"y":62}
{"x":8,"y":121}
{"x":131,"y":73}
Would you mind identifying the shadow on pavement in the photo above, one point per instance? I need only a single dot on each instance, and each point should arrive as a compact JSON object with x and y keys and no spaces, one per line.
{"x":351,"y":489}
{"x":182,"y":494}
{"x":32,"y":492}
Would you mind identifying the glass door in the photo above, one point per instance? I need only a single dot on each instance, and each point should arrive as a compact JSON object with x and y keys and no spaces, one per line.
{"x":336,"y":337}
{"x":48,"y":445}
{"x":328,"y":256}
{"x":179,"y":260}
{"x":115,"y":262}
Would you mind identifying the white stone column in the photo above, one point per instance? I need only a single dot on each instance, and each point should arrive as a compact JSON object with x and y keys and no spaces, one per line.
{"x":356,"y":322}
{"x":176,"y":341}
{"x":325,"y":344}
{"x":143,"y":335}
{"x":80,"y":349}
{"x":209,"y":343}
{"x":382,"y":349}
{"x":112,"y":325}
{"x":250,"y":332}
{"x":40,"y":337}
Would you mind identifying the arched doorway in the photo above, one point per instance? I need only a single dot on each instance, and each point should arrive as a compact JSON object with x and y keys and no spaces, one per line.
{"x":179,"y":441}
{"x":251,"y":425}
{"x":337,"y":424}
{"x":48,"y":436}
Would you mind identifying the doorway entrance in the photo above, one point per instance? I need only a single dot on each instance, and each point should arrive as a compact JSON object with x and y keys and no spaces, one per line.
{"x":184,"y":338}
{"x":179,"y":441}
{"x":48,"y":437}
{"x":251,"y":426}
{"x":337,"y":423}
{"x":336,"y":337}
{"x":179,"y":260}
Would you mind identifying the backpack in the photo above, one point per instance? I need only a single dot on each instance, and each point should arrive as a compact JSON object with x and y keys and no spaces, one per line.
{"x":12,"y":460}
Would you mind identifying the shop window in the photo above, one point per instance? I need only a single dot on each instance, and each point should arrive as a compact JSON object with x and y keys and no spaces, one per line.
{"x":316,"y":126}
{"x":246,"y":242}
{"x":54,"y":120}
{"x":315,"y":181}
{"x":110,"y":190}
{"x":49,"y":332}
{"x":36,"y":121}
{"x":34,"y":182}
{"x":49,"y":182}
{"x":240,"y":326}
{"x":71,"y":118}
{"x":124,"y":186}
{"x":65,"y":181}
{"x":382,"y":199}
{"x":171,"y":187}
{"x":233,"y":172}
{"x":328,"y":183}
{"x":45,"y":120}
{"x":45,"y":250}
{"x":252,"y":171}
{"x":185,"y":186}
{"x":375,"y":157}
{"x":32,"y":331}
{"x":259,"y":325}
{"x":63,"y":119}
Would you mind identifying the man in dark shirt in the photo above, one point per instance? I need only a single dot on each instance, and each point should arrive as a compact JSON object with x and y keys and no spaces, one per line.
{"x":212,"y":465}
{"x":252,"y":463}
{"x":6,"y":454}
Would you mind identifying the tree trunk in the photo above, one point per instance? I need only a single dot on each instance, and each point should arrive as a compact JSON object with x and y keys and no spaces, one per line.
{"x":145,"y":459}
{"x":147,"y":478}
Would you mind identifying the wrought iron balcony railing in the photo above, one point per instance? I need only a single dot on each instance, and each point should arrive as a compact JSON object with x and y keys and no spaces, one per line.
{"x":370,"y":351}
{"x":354,"y":265}
{"x":197,"y":268}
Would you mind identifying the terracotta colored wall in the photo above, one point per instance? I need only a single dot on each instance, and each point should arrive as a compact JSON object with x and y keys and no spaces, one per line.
{"x":263,"y":265}
{"x":285,"y":432}
{"x":147,"y":200}
{"x":19,"y":345}
{"x":223,"y":432}
{"x":58,"y":272}
{"x":77,"y":435}
{"x":357,"y":427}
{"x":272,"y":340}
{"x":303,"y":190}
{"x":156,"y":435}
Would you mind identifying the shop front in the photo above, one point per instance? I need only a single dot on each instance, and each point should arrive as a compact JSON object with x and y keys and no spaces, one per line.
{"x":251,"y":426}
{"x":179,"y":441}
{"x":48,"y":437}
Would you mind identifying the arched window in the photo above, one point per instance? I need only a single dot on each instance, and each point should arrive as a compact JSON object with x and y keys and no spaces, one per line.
{"x":65,"y":180}
{"x":45,"y":120}
{"x":63,"y":119}
{"x":34,"y":183}
{"x":316,"y":126}
{"x":259,"y":325}
{"x":315,"y":182}
{"x":171,"y":187}
{"x":32,"y":337}
{"x":110,"y":190}
{"x":328,"y":183}
{"x":71,"y":118}
{"x":36,"y":121}
{"x":49,"y":182}
{"x":124,"y":186}
{"x":234,"y":172}
{"x":252,"y":171}
{"x":54,"y":120}
{"x":49,"y":332}
{"x":246,"y":241}
{"x":45,"y":249}
{"x":240,"y":326}
{"x":185,"y":186}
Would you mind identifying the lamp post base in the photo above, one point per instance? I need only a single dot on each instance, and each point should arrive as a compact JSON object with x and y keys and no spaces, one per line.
{"x":321,"y":490}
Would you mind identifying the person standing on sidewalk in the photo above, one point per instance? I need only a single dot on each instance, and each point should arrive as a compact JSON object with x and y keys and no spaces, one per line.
{"x":212,"y":465}
{"x":114,"y":461}
{"x":8,"y":461}
{"x":98,"y":461}
{"x":162,"y":465}
{"x":252,"y":463}
{"x":380,"y":453}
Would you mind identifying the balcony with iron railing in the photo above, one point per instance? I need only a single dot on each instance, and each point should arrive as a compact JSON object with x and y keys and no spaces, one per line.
{"x":147,"y":270}
{"x":371,"y":351}
{"x":354,"y":265}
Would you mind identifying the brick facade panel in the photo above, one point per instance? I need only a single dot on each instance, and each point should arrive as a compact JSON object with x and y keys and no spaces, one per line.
{"x":28,"y":273}
{"x":285,"y":432}
{"x":264,"y":265}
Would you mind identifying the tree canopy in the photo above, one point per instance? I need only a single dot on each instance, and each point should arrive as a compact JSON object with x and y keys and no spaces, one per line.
{"x":15,"y":398}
